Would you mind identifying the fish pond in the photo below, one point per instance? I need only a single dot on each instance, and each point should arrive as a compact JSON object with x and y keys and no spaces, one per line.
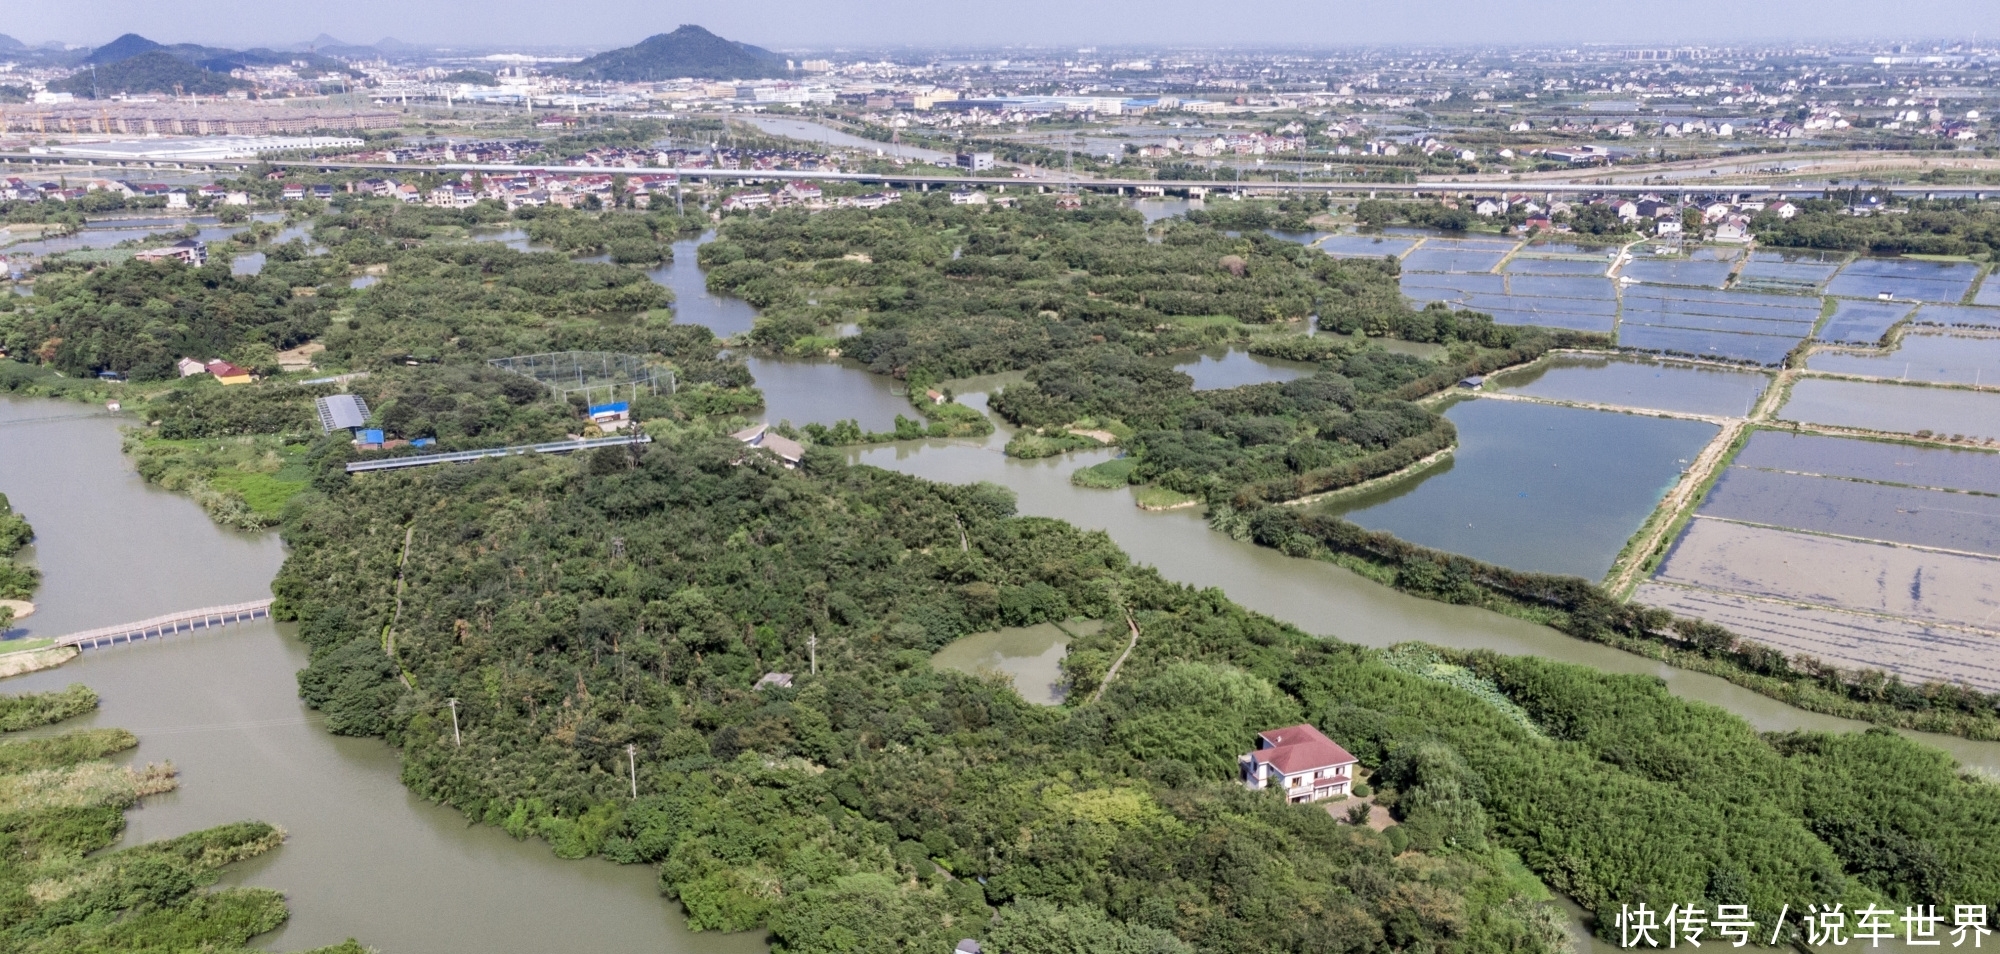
{"x":1897,"y":408}
{"x":1940,"y":359}
{"x":1660,"y":385}
{"x":1537,"y":487}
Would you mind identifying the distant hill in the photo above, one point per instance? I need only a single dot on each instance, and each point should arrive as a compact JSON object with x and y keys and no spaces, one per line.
{"x":154,"y":71}
{"x":123,"y":48}
{"x":10,"y":45}
{"x":201,"y":59}
{"x":688,"y":51}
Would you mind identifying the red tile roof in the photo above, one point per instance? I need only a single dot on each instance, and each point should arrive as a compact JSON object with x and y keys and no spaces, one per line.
{"x":1300,"y":748}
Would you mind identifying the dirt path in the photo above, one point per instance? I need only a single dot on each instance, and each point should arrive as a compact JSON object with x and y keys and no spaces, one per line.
{"x":1624,"y":576}
{"x":1667,"y":515}
{"x":1120,"y":661}
{"x":1616,"y":408}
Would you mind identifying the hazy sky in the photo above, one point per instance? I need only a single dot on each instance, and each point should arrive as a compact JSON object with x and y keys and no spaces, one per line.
{"x":829,"y":23}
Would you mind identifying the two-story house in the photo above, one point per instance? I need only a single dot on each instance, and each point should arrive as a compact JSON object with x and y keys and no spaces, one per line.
{"x":1301,"y":762}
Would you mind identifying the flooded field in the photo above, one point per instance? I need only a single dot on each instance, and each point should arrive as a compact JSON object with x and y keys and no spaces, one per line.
{"x":1225,"y":368}
{"x":1366,"y":245}
{"x":1661,"y":385}
{"x":1788,"y":271}
{"x":1458,"y":255}
{"x":1989,"y":293}
{"x":1904,"y":278}
{"x":1537,"y":487}
{"x":1030,"y":657}
{"x":1842,"y":574}
{"x":1958,"y":316}
{"x":1868,"y":597}
{"x":1937,"y":358}
{"x":1885,"y":461}
{"x":1851,"y":508}
{"x":1555,"y":266}
{"x":1897,"y":408}
{"x":1916,"y":651}
{"x":1576,"y":302}
{"x":1727,"y":325}
{"x":1704,"y":274}
{"x":1863,"y":322}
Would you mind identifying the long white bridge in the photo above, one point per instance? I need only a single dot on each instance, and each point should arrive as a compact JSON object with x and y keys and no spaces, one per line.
{"x":208,"y":617}
{"x":460,"y":457}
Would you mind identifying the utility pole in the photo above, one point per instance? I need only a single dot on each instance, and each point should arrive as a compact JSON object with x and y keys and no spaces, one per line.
{"x":455,"y":740}
{"x":632,"y":767}
{"x":812,"y":652}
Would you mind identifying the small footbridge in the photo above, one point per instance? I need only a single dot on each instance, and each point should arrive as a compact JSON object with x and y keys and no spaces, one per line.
{"x":208,"y":617}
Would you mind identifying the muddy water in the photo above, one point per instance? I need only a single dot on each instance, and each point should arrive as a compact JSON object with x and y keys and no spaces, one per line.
{"x":365,"y":858}
{"x":802,"y":390}
{"x":694,"y":304}
{"x":1228,"y":368}
{"x":1028,"y":656}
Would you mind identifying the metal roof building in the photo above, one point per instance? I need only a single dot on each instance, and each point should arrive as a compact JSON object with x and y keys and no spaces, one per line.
{"x":342,"y":412}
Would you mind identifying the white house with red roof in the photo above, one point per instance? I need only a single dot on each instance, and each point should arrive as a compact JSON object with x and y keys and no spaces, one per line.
{"x":1300,"y":761}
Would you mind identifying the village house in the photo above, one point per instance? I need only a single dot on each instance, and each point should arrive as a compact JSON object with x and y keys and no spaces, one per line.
{"x":746,"y":200}
{"x":799,"y":191}
{"x":788,"y":451}
{"x":1735,"y":228}
{"x":1300,"y":761}
{"x":189,"y":251}
{"x":227,"y":373}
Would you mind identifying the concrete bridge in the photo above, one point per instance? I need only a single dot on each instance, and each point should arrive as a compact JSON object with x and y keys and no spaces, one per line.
{"x":208,"y":617}
{"x":1121,"y":186}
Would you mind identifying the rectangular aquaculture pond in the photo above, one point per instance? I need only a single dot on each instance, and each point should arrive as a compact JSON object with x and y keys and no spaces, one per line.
{"x":1537,"y":487}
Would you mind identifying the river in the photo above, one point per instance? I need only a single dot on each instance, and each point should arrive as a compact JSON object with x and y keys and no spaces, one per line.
{"x":365,"y":857}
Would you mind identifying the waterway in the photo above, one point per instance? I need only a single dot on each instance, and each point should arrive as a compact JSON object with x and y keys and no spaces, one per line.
{"x":694,"y":304}
{"x":365,"y":858}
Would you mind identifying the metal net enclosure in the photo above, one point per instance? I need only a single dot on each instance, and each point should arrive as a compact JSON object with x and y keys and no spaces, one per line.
{"x":600,"y":377}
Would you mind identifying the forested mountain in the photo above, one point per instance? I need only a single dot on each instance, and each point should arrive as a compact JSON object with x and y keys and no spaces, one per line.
{"x":132,"y":46}
{"x":123,"y":48}
{"x":154,"y":71}
{"x":688,"y":51}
